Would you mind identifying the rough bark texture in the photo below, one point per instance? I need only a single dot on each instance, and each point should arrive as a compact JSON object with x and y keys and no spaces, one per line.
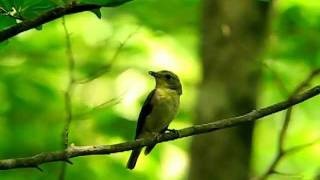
{"x":233,"y":36}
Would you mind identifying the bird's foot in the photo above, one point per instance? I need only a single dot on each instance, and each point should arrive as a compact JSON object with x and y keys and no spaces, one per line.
{"x":173,"y":131}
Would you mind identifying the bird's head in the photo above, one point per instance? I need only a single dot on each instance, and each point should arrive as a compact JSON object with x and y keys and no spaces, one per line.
{"x":167,"y":79}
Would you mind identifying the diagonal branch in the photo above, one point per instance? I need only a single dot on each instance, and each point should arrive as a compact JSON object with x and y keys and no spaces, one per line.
{"x":302,"y":146}
{"x":52,"y":15}
{"x":105,"y":68}
{"x":277,"y":80}
{"x":281,"y":151}
{"x":76,"y":151}
{"x":101,"y":106}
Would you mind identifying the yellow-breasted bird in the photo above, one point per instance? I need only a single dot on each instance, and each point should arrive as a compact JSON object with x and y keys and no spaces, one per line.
{"x":158,"y":110}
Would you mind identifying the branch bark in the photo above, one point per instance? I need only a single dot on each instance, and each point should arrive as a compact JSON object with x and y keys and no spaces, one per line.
{"x":76,"y":151}
{"x":52,"y":15}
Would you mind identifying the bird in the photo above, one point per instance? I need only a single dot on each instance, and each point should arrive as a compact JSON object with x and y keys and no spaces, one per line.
{"x":158,"y":110}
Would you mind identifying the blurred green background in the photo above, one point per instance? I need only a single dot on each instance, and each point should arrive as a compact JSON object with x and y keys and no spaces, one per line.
{"x":162,"y":35}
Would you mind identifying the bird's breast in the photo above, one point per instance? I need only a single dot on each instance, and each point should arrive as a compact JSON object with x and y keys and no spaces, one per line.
{"x":165,"y":106}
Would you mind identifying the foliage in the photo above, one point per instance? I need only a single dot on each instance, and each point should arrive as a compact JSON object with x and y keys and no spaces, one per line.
{"x":33,"y":77}
{"x":12,"y":12}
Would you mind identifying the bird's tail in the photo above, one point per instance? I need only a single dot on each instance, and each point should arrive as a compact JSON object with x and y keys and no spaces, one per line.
{"x":149,"y":149}
{"x":133,"y":158}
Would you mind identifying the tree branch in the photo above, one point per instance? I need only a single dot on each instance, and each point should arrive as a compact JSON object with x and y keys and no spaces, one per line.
{"x":52,"y":15}
{"x":104,"y":69}
{"x":69,"y":90}
{"x":277,"y":80}
{"x":67,"y":96}
{"x":281,"y":151}
{"x":101,"y":106}
{"x":75,"y":151}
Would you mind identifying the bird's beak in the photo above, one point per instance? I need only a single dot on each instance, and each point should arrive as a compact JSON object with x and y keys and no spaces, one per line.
{"x":154,"y":74}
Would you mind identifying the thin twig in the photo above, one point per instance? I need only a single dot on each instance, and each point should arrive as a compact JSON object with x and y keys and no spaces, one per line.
{"x":75,"y":151}
{"x":281,"y":152}
{"x":68,"y":95}
{"x":101,"y":106}
{"x":295,"y":176}
{"x":278,"y":81}
{"x":71,"y":80}
{"x":284,"y":130}
{"x":302,"y":146}
{"x":104,"y":69}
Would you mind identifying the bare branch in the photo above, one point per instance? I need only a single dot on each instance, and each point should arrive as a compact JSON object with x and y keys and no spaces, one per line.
{"x":68,"y":96}
{"x":291,"y":175}
{"x":38,"y":168}
{"x":76,"y":151}
{"x":281,"y":152}
{"x":52,"y":15}
{"x":104,"y":69}
{"x":101,"y":106}
{"x":301,"y":147}
{"x":68,"y":93}
{"x":284,"y":130}
{"x":277,"y":79}
{"x":307,"y":81}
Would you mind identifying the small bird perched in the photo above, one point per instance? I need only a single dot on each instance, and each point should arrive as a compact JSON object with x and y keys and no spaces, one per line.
{"x":158,"y":110}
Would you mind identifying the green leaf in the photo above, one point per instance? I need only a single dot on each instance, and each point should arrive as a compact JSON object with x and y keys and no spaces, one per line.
{"x":97,"y":12}
{"x":6,"y":4}
{"x":104,"y":2}
{"x":6,"y":21}
{"x":30,"y":9}
{"x":3,"y":44}
{"x":59,"y":2}
{"x":26,"y":9}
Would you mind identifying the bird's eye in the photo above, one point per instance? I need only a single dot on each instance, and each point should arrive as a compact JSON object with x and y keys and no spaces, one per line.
{"x":168,"y":76}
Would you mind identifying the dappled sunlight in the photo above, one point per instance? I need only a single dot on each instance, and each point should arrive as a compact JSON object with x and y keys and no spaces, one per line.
{"x":95,"y":93}
{"x":123,"y":46}
{"x":166,"y":54}
{"x":12,"y":61}
{"x":91,"y":29}
{"x":130,"y":86}
{"x":310,"y":4}
{"x":162,"y":59}
{"x":174,"y":162}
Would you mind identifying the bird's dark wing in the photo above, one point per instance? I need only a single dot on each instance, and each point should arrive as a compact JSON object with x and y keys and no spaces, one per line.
{"x":145,"y":111}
